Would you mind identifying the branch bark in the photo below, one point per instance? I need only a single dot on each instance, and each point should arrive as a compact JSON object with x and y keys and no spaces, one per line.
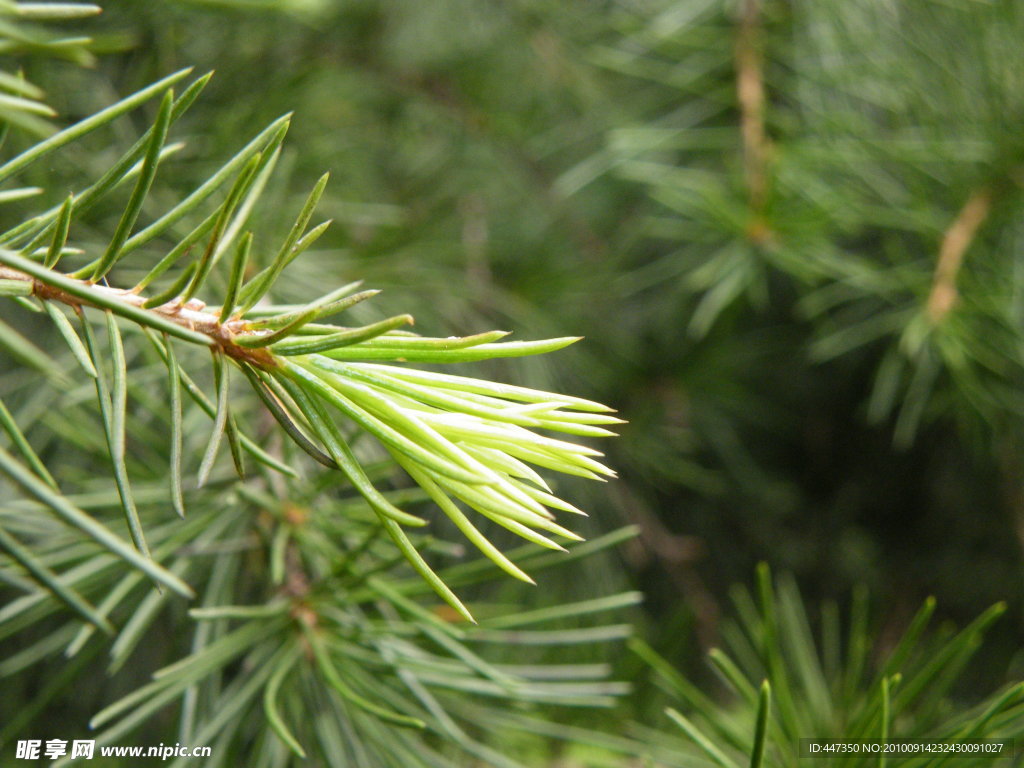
{"x":190,"y":318}
{"x":955,"y":242}
{"x":750,"y":94}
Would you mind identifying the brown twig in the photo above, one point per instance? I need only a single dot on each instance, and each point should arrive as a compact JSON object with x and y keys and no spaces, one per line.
{"x":750,"y":94}
{"x":955,"y":242}
{"x":191,"y":315}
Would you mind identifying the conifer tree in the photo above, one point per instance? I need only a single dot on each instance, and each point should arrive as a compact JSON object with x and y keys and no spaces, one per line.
{"x":303,"y":623}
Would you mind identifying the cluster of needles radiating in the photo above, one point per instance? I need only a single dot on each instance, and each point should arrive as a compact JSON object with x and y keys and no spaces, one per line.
{"x":467,"y":442}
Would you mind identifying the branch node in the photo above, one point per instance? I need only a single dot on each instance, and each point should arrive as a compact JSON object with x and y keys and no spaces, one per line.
{"x":191,"y":315}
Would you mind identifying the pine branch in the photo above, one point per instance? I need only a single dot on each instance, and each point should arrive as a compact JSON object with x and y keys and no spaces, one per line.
{"x":375,"y":399}
{"x":467,"y":441}
{"x":471,"y":446}
{"x":783,"y":690}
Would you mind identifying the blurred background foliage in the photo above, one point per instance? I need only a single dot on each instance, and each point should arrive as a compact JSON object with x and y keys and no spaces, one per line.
{"x":789,"y":230}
